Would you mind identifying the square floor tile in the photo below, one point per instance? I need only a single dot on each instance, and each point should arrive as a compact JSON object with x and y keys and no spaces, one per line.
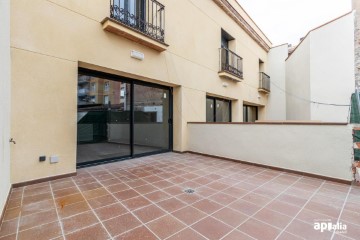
{"x":157,"y":196}
{"x":212,"y":228}
{"x":207,"y":206}
{"x":273,"y":218}
{"x":37,"y":219}
{"x":121,"y":224}
{"x":259,"y":230}
{"x":91,"y":233}
{"x":136,"y":202}
{"x":187,"y":234}
{"x":102,"y":201}
{"x":230,"y":217}
{"x":79,"y":221}
{"x":245,"y":207}
{"x":140,"y":233}
{"x":70,"y":210}
{"x":127,"y":194}
{"x":110,"y":211}
{"x":8,"y":227}
{"x":149,"y":213}
{"x":165,"y":226}
{"x":43,"y":232}
{"x":189,"y":215}
{"x":171,"y":205}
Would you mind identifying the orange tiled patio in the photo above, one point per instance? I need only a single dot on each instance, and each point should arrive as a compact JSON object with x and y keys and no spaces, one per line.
{"x":146,"y":198}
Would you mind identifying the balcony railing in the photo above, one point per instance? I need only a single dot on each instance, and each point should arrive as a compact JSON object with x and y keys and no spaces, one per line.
{"x":146,"y":16}
{"x":231,"y":63}
{"x":264,"y":82}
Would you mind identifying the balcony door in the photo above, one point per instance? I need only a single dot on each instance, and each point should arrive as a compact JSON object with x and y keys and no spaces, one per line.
{"x":121,"y":118}
{"x":131,"y":11}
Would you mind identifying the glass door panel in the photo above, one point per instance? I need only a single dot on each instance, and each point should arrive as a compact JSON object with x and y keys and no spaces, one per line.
{"x":103,"y":119}
{"x":151,"y":119}
{"x":222,"y":110}
{"x":210,"y":110}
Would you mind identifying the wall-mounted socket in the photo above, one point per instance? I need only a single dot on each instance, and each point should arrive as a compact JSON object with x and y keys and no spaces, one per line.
{"x":42,"y":158}
{"x":54,"y":159}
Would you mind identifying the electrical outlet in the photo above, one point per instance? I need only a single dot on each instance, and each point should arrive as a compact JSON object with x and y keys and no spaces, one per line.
{"x":42,"y":158}
{"x":54,"y":159}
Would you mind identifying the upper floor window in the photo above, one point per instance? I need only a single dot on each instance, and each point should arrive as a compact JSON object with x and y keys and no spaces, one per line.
{"x":107,"y":86}
{"x":106,"y":99}
{"x":93,"y":87}
{"x":225,"y":39}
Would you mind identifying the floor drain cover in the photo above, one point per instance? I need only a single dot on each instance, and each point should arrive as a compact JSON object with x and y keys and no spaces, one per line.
{"x":189,"y":190}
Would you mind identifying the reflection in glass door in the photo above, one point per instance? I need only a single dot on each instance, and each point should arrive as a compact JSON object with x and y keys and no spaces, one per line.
{"x":151,"y":119}
{"x":103,"y":119}
{"x":120,"y":118}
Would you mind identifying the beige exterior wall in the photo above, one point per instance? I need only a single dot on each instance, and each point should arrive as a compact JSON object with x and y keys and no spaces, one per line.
{"x":4,"y":102}
{"x":51,"y":39}
{"x":298,"y":83}
{"x":322,"y":150}
{"x":277,"y":70}
{"x":321,"y":70}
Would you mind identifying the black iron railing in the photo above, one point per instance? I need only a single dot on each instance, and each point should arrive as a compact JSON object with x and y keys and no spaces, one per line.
{"x":146,"y":16}
{"x":231,"y":62}
{"x":264,"y":82}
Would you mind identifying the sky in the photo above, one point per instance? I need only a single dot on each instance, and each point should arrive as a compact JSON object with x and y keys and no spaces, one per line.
{"x":286,"y":21}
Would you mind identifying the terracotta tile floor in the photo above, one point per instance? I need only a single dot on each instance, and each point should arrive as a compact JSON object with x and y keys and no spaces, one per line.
{"x":144,"y":198}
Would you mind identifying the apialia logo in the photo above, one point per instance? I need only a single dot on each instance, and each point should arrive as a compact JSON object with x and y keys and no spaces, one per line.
{"x":328,"y":225}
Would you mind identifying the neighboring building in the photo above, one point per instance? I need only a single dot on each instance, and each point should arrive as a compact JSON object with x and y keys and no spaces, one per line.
{"x":277,"y":70}
{"x":108,"y":80}
{"x":320,"y":76}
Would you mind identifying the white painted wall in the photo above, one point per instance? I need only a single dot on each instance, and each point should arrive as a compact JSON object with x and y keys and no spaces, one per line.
{"x":332,"y":69}
{"x":324,"y":150}
{"x":321,"y":69}
{"x":4,"y":101}
{"x":298,"y":83}
{"x":276,"y":108}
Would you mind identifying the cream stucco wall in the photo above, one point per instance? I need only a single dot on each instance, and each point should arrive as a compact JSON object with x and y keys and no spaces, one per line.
{"x":324,"y":150}
{"x":298,"y":83}
{"x":4,"y":102}
{"x":321,"y":70}
{"x":332,"y":69}
{"x":50,"y":39}
{"x":276,"y":109}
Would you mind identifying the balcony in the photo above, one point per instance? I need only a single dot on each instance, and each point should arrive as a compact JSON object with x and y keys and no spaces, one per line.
{"x":264,"y":83}
{"x":142,"y":21}
{"x":231,"y":65}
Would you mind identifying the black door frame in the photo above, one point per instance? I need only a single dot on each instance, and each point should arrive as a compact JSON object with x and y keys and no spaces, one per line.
{"x":245,"y":117}
{"x":132,"y":82}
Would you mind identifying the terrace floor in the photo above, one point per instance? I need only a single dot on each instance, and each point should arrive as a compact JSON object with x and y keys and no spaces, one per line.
{"x":144,"y":199}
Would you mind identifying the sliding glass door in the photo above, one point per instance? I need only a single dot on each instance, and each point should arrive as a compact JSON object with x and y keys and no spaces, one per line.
{"x":103,"y":119}
{"x":119,"y":118}
{"x":151,"y":119}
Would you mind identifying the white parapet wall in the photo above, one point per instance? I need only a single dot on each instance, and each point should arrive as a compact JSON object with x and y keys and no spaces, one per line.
{"x":314,"y":148}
